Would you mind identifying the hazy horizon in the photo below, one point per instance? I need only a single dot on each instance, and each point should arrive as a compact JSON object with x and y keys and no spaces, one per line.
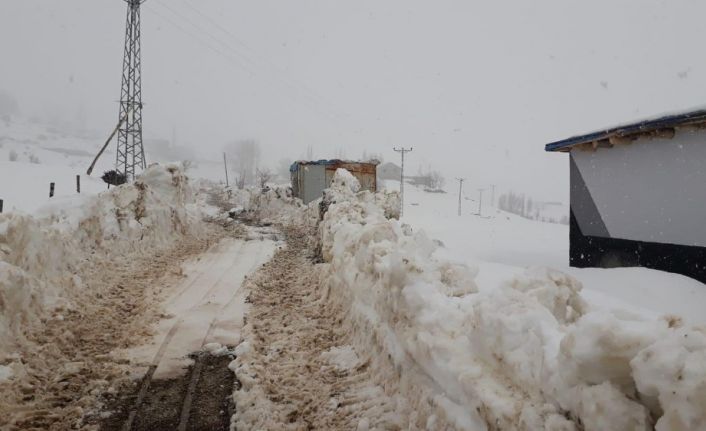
{"x":476,"y":88}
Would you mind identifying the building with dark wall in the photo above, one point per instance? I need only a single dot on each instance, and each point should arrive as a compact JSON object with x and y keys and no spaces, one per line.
{"x":638,"y":195}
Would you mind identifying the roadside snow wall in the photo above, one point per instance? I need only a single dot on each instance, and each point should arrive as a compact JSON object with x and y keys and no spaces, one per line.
{"x":41,"y":258}
{"x":529,"y":355}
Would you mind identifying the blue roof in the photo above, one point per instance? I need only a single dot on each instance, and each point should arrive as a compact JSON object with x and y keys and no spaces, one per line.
{"x":645,"y":126}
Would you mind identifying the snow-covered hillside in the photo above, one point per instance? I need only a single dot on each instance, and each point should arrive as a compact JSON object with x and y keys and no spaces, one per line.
{"x":33,"y":155}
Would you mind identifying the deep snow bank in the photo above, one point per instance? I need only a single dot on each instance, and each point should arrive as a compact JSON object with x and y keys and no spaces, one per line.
{"x":41,"y":258}
{"x":528,"y":356}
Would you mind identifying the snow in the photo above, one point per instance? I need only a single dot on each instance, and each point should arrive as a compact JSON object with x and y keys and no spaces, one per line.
{"x":205,"y":311}
{"x":6,"y":373}
{"x":342,"y":357}
{"x":45,"y":155}
{"x":40,"y":256}
{"x":502,"y":245}
{"x":528,"y":351}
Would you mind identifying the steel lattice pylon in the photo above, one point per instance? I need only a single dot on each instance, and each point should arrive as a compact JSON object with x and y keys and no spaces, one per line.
{"x":131,"y":153}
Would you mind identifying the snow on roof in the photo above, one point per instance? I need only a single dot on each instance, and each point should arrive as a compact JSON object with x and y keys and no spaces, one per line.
{"x":627,"y":130}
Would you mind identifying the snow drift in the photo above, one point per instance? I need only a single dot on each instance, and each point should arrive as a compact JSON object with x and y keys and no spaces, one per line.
{"x":41,"y":258}
{"x":530,"y":355}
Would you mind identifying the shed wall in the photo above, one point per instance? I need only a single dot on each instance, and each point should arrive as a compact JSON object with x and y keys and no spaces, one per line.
{"x":641,"y":205}
{"x":313,"y":180}
{"x":653,"y":190}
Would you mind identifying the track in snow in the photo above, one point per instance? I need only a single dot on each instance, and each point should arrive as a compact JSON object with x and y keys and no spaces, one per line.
{"x":208,"y":307}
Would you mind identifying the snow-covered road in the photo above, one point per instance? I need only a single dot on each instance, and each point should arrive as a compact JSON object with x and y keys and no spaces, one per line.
{"x":180,"y":386}
{"x":207,"y":306}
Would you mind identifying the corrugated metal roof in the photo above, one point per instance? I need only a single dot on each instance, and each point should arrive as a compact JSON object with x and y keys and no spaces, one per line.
{"x":645,"y":126}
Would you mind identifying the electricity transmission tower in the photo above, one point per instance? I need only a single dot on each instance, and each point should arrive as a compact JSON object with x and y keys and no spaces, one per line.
{"x":131,"y":153}
{"x":460,"y":191}
{"x":402,"y":151}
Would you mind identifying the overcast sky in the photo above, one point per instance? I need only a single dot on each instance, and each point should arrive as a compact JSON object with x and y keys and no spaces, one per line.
{"x":476,"y":87}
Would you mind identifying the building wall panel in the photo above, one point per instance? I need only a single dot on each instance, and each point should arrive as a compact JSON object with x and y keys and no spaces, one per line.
{"x":653,"y":190}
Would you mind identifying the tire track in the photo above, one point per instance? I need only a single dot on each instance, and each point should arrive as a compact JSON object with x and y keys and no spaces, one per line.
{"x":195,"y":373}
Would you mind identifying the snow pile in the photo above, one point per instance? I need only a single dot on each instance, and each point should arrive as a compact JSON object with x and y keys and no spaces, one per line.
{"x":341,"y":357}
{"x":529,"y":355}
{"x":273,"y":204}
{"x":41,"y":258}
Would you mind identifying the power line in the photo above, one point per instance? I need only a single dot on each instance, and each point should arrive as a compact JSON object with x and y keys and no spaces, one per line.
{"x":198,"y":39}
{"x":253,"y":52}
{"x":243,"y":61}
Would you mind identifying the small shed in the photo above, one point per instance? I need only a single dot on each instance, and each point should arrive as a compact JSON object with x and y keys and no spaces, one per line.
{"x":638,"y":195}
{"x":310,"y":178}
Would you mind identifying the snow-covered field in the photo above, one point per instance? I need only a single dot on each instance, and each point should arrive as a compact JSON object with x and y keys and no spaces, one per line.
{"x":33,"y":155}
{"x":501,"y":244}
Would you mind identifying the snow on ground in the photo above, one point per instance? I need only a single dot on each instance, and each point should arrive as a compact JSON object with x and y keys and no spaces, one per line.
{"x":503,"y":244}
{"x":205,"y":310}
{"x":528,"y":353}
{"x":33,"y":154}
{"x":50,"y":268}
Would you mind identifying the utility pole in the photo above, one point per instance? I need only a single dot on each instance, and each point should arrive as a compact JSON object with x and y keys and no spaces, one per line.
{"x":492,"y":195}
{"x":480,"y":201}
{"x":131,"y":153}
{"x":402,"y":151}
{"x":225,"y":164}
{"x":460,"y":191}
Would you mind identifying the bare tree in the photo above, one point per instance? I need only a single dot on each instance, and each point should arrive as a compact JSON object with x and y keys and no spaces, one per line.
{"x":436,"y":180}
{"x":246,"y":157}
{"x":264,"y":176}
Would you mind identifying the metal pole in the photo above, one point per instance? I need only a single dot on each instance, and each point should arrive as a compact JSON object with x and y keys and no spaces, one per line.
{"x":225,"y":164}
{"x":460,"y":191}
{"x":402,"y":151}
{"x":78,"y":183}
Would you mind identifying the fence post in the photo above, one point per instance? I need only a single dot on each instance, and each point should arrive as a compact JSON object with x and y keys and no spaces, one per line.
{"x":78,"y":183}
{"x":51,"y":190}
{"x":0,"y":206}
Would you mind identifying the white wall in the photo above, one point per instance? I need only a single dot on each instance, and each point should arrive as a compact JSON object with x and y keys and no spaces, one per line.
{"x":652,"y":190}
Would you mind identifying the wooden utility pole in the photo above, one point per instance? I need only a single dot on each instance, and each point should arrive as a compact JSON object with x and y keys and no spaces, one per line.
{"x":402,"y":151}
{"x":107,"y":142}
{"x":480,"y":201}
{"x":225,"y":164}
{"x":460,"y":193}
